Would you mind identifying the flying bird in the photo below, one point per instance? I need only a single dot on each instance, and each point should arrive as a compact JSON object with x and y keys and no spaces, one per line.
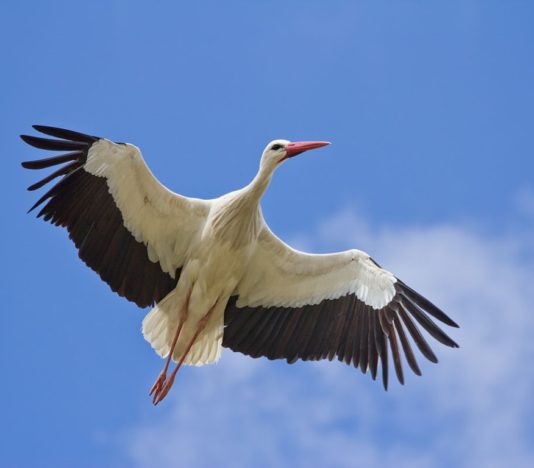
{"x":214,"y":273}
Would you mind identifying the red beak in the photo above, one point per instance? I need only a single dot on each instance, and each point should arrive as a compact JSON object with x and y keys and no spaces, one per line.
{"x":297,"y":147}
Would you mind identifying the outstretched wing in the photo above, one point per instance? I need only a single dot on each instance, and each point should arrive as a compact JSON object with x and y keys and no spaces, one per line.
{"x":127,"y":226}
{"x":293,"y":305}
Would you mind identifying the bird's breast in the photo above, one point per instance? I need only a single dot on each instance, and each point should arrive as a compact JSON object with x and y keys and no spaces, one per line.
{"x":235,"y":224}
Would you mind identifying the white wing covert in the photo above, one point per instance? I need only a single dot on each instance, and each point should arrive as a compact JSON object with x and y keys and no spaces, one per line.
{"x":293,"y":305}
{"x":128,"y":227}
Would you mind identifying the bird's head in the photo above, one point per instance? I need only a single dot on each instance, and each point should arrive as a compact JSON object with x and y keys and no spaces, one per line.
{"x":277,"y":151}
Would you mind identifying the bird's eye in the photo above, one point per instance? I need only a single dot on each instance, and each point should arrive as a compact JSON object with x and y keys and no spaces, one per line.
{"x":276,"y":147}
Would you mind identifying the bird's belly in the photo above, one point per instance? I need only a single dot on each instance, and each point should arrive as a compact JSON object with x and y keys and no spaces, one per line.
{"x":214,"y":274}
{"x":223,"y":265}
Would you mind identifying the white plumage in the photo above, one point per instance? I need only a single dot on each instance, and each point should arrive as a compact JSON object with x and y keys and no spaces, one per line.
{"x":281,"y":276}
{"x":151,"y":212}
{"x":215,"y":273}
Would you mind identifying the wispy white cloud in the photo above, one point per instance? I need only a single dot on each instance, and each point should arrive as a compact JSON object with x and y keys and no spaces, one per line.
{"x":524,"y":200}
{"x":470,"y":410}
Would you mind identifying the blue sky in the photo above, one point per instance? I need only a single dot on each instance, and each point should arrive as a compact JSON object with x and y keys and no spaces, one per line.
{"x":429,"y":106}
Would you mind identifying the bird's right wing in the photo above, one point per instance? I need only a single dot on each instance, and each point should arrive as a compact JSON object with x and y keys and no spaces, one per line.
{"x":128,"y":227}
{"x":294,"y":305}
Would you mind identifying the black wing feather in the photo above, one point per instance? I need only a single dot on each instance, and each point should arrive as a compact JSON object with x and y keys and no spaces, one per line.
{"x":81,"y":203}
{"x":54,"y":145}
{"x":345,"y":327}
{"x":65,"y":134}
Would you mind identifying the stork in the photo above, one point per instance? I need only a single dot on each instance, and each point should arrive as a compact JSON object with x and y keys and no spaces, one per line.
{"x":214,"y":273}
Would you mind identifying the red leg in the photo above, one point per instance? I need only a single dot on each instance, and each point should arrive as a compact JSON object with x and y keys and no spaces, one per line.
{"x":156,"y":388}
{"x":163,"y":374}
{"x":162,"y":392}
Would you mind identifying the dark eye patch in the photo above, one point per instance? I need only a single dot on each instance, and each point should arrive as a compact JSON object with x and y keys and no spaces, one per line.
{"x":276,"y":147}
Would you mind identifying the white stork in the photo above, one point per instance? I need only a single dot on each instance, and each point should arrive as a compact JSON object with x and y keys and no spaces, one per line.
{"x":214,"y":272}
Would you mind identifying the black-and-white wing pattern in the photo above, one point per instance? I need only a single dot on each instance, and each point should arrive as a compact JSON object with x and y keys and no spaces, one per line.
{"x":136,"y":234}
{"x":294,"y":305}
{"x":127,"y":227}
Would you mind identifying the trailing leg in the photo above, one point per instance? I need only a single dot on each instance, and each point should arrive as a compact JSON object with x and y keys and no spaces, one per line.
{"x":162,"y":391}
{"x":156,"y":388}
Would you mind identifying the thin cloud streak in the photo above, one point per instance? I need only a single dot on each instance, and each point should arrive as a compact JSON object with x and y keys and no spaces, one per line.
{"x":469,"y":410}
{"x":524,"y":200}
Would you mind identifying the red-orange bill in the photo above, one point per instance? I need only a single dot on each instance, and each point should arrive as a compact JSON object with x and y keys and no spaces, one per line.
{"x":297,"y":147}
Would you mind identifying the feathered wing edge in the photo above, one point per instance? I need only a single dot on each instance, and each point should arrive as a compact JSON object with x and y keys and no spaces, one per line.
{"x":345,"y":328}
{"x":81,"y":202}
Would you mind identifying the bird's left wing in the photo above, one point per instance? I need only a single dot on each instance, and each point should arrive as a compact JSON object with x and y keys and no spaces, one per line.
{"x":294,"y":305}
{"x":128,"y":227}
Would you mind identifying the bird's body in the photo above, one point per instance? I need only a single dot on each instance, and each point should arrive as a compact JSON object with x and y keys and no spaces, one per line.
{"x":216,"y":263}
{"x":215,"y":273}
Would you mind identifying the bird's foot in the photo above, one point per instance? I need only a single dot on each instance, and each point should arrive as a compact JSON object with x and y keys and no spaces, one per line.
{"x":156,"y":388}
{"x":162,"y":391}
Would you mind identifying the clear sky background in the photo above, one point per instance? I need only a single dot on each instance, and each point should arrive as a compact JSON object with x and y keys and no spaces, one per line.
{"x":430,"y":108}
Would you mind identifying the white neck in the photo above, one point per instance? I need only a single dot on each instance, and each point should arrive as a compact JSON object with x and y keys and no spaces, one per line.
{"x":261,"y":181}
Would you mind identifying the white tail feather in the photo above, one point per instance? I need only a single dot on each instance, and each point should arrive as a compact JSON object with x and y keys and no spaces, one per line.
{"x":159,"y":327}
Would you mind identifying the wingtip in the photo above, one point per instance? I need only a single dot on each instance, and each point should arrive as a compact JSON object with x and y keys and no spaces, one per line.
{"x":34,"y":187}
{"x":451,"y":343}
{"x":43,"y":128}
{"x":65,"y":134}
